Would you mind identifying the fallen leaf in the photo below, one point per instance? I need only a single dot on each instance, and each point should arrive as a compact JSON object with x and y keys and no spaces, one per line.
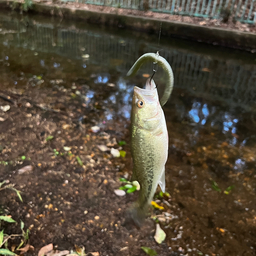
{"x":122,"y":153}
{"x":5,"y":108}
{"x":24,"y":169}
{"x":95,"y":129}
{"x":157,"y":206}
{"x":159,"y":235}
{"x":119,"y":192}
{"x":60,"y":253}
{"x":67,"y":148}
{"x":26,"y":248}
{"x":103,"y":148}
{"x":95,"y":254}
{"x":115,"y":152}
{"x":123,"y":249}
{"x":45,"y":250}
{"x":149,"y":251}
{"x":65,"y":126}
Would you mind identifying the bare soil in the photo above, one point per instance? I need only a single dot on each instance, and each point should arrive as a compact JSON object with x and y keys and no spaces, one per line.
{"x":65,"y":203}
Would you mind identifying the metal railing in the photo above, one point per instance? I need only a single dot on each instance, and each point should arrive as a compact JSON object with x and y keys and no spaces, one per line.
{"x":239,"y":10}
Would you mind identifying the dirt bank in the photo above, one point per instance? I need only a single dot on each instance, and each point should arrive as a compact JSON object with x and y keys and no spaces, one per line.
{"x":231,"y":33}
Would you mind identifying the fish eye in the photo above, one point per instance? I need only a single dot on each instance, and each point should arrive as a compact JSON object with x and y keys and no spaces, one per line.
{"x":140,"y":103}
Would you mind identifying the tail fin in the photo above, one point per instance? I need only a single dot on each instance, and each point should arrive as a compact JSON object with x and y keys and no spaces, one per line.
{"x":136,"y":215}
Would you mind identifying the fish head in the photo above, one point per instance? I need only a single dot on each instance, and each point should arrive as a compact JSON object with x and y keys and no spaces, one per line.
{"x":146,"y":109}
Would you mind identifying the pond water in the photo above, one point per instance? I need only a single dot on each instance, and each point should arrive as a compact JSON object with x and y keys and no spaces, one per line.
{"x":211,"y":116}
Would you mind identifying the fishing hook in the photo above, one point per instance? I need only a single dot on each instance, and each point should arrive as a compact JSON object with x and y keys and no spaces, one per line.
{"x":155,"y":67}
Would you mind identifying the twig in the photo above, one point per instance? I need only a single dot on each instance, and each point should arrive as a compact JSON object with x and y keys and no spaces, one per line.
{"x":7,"y":98}
{"x":6,"y":239}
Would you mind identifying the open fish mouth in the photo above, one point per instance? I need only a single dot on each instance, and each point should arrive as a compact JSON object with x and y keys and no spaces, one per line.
{"x":144,"y":92}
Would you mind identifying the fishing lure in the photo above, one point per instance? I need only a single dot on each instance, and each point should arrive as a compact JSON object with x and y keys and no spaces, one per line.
{"x":157,"y":59}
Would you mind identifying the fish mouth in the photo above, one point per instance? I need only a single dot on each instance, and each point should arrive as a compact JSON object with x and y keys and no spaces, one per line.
{"x":149,"y":95}
{"x":144,"y":92}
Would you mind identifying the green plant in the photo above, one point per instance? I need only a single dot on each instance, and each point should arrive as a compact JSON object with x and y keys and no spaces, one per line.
{"x":50,"y":137}
{"x":217,"y":188}
{"x":56,"y":153}
{"x":130,"y":187}
{"x":3,"y":162}
{"x":10,"y":186}
{"x":5,"y":237}
{"x":25,"y":6}
{"x":79,"y":161}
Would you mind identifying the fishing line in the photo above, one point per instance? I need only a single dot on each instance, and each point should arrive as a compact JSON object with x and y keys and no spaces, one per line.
{"x":159,"y":35}
{"x":155,"y":66}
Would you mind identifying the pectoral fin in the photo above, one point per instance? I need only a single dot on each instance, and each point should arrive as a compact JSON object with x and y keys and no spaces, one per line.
{"x":162,"y":181}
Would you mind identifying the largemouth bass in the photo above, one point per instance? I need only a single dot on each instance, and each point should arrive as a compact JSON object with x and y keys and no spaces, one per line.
{"x":149,"y":142}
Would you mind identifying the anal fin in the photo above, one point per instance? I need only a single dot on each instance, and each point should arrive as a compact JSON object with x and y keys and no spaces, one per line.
{"x":162,"y":181}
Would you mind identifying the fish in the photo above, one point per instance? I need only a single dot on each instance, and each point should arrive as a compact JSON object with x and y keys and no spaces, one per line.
{"x":149,"y":140}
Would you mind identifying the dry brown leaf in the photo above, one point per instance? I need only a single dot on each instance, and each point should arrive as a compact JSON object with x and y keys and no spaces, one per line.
{"x":45,"y":249}
{"x":60,"y":253}
{"x":26,"y":248}
{"x":94,"y":253}
{"x":103,"y":148}
{"x":24,"y":169}
{"x":78,"y":249}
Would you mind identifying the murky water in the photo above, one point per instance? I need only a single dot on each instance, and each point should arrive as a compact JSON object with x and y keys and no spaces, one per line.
{"x":211,"y":116}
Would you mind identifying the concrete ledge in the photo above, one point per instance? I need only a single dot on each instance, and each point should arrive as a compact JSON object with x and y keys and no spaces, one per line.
{"x":218,"y":36}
